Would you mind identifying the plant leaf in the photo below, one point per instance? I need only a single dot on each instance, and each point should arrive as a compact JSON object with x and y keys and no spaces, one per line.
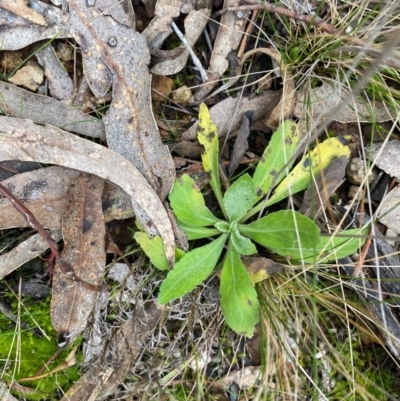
{"x":191,"y":270}
{"x":207,"y":136}
{"x":285,"y":232}
{"x":281,"y":147}
{"x":188,"y":203}
{"x":222,"y":226}
{"x":239,"y":300}
{"x":335,"y":247}
{"x":240,"y":197}
{"x":242,"y":244}
{"x":153,"y":248}
{"x":310,"y":165}
{"x":193,"y":232}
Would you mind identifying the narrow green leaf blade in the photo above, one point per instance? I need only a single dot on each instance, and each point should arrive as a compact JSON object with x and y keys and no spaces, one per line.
{"x":285,"y":232}
{"x":154,"y":249}
{"x":207,"y":136}
{"x":282,"y":146}
{"x":193,"y":232}
{"x":242,"y":244}
{"x":240,"y":197}
{"x":335,"y":247}
{"x":188,"y":204}
{"x":239,"y":300}
{"x":191,"y":270}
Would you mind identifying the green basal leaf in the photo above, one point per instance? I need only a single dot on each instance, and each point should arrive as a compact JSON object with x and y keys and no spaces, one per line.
{"x":207,"y":136}
{"x":335,"y":247}
{"x":309,"y":166}
{"x":240,"y":197}
{"x":239,"y":300}
{"x":282,"y":146}
{"x":242,"y":244}
{"x":193,"y":232}
{"x":188,"y":204}
{"x":222,"y":226}
{"x":154,"y":249}
{"x":191,"y":270}
{"x":285,"y":232}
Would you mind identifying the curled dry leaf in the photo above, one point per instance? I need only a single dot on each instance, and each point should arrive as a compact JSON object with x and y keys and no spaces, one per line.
{"x":84,"y":241}
{"x":23,"y":140}
{"x":228,"y":117}
{"x":195,"y":23}
{"x":20,"y":103}
{"x":44,"y":192}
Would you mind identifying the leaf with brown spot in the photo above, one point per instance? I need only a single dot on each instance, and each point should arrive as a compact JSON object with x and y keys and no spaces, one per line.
{"x":71,"y":303}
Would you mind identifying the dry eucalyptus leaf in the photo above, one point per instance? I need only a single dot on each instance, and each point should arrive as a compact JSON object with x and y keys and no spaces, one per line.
{"x":316,"y":103}
{"x":45,"y":110}
{"x":165,"y":11}
{"x":112,"y":50}
{"x":230,"y":33}
{"x":25,"y":251}
{"x":195,"y":23}
{"x":61,"y":86}
{"x":30,"y":76}
{"x":387,"y":157}
{"x":20,"y":8}
{"x":389,"y":211}
{"x":227,"y":119}
{"x":23,"y":140}
{"x":84,"y":242}
{"x":44,"y":192}
{"x":17,"y":36}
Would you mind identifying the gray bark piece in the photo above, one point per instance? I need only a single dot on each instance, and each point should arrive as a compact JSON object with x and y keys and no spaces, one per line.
{"x":45,"y":110}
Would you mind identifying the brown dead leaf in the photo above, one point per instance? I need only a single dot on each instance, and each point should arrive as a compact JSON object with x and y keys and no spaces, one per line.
{"x":317,"y":196}
{"x":20,"y":103}
{"x":44,"y":192}
{"x":84,"y":244}
{"x":260,"y":268}
{"x":30,"y":76}
{"x":228,"y":119}
{"x":241,"y":145}
{"x":23,"y":140}
{"x":161,"y":87}
{"x":20,"y":8}
{"x":389,"y":211}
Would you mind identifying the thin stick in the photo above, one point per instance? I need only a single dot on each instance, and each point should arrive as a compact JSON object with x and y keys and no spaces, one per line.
{"x":195,"y":59}
{"x":65,"y":267}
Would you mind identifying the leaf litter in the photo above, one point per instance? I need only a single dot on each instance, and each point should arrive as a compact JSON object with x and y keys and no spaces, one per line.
{"x":137,"y":172}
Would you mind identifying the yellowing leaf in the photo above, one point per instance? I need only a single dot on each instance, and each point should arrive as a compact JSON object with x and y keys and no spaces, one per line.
{"x":310,"y":165}
{"x":207,"y":136}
